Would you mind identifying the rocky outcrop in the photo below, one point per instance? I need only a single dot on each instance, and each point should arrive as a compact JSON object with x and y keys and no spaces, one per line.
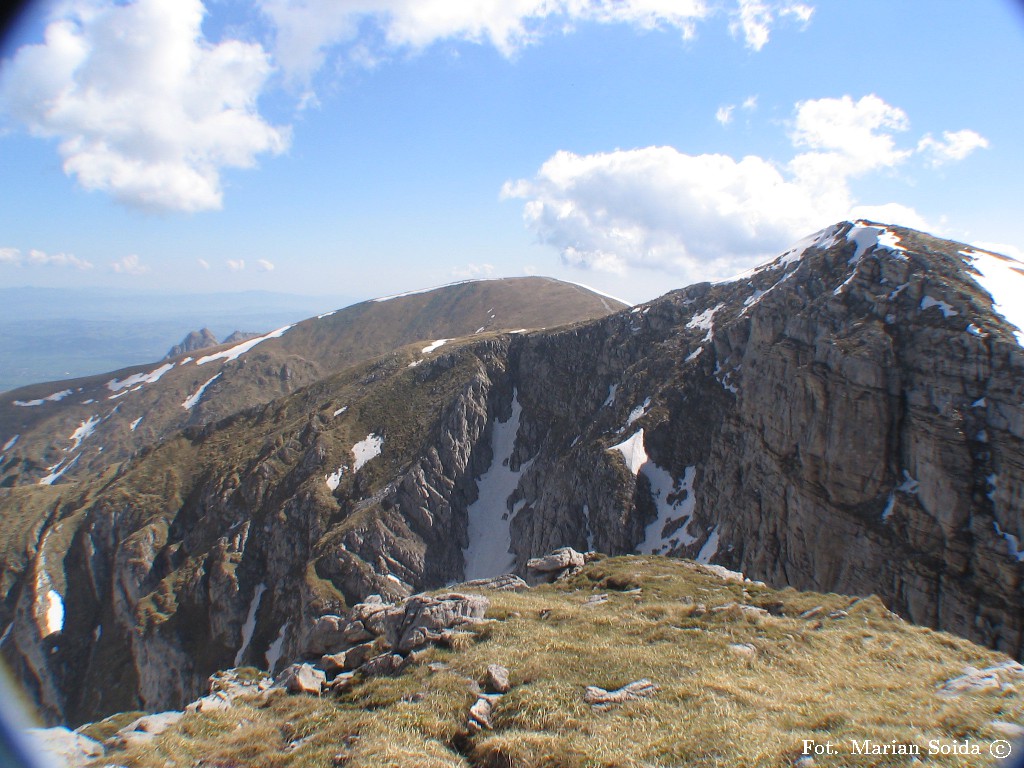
{"x":193,"y":342}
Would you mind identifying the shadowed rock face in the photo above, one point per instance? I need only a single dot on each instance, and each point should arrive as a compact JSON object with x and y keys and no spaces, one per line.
{"x":847,"y":417}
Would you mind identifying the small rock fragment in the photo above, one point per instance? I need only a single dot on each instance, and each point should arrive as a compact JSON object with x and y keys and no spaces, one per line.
{"x":496,"y":679}
{"x":480,"y":714}
{"x":636,"y":690}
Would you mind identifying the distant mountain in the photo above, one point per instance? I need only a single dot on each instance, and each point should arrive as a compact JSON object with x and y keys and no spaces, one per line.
{"x":848,"y":417}
{"x":194,"y":341}
{"x":48,"y":334}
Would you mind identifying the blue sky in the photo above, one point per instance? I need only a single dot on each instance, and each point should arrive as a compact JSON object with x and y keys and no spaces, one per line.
{"x":364,"y":147}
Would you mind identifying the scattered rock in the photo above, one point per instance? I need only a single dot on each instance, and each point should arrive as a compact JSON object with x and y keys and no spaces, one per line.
{"x":326,"y":636}
{"x":595,"y":600}
{"x":554,"y":566}
{"x":153,"y":724}
{"x":989,"y":680}
{"x":812,"y":612}
{"x":424,"y":618}
{"x":638,"y":689}
{"x":480,"y":715}
{"x":1006,"y":730}
{"x":383,"y":665}
{"x":804,"y":762}
{"x":744,"y":650}
{"x":210,"y":703}
{"x":506,"y":582}
{"x":496,"y":679}
{"x":66,"y":747}
{"x":302,"y":678}
{"x":356,"y":632}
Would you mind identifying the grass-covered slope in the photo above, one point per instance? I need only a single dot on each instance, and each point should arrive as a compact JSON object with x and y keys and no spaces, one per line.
{"x":744,"y":674}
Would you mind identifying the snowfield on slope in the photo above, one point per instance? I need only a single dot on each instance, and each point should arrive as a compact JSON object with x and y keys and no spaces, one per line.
{"x":490,"y":522}
{"x":1003,"y":278}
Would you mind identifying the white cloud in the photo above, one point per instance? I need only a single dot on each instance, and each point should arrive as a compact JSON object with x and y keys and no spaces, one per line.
{"x":129,"y":265}
{"x":724,"y":114}
{"x":10,"y":256}
{"x":306,"y":31}
{"x":846,"y":136}
{"x":144,"y":107}
{"x":264,"y":266}
{"x":754,"y":19}
{"x":695,"y":215}
{"x":750,"y":103}
{"x":711,"y":215}
{"x":954,"y":145}
{"x":203,"y":263}
{"x":40,"y":258}
{"x":236,"y":265}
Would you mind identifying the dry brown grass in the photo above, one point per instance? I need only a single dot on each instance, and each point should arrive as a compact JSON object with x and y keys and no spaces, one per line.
{"x":863,"y":675}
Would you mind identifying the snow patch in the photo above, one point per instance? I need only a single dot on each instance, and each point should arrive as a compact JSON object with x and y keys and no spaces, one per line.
{"x":639,"y":412}
{"x":909,"y":484}
{"x":276,"y":648}
{"x":1003,"y":279}
{"x":889,"y":506}
{"x":366,"y":449}
{"x":250,"y":622}
{"x":55,"y":397}
{"x":240,"y":349}
{"x":979,"y":403}
{"x":710,"y":548}
{"x":53,"y":611}
{"x":490,"y":524}
{"x":334,"y":479}
{"x":85,"y":428}
{"x":10,"y":443}
{"x":1012,"y":543}
{"x":326,"y":314}
{"x":611,"y":395}
{"x":56,"y":471}
{"x":341,"y":410}
{"x":947,"y":310}
{"x":135,"y":424}
{"x":190,"y":402}
{"x":116,"y":385}
{"x":694,"y":355}
{"x":633,"y":452}
{"x":868,"y":237}
{"x":676,"y":512}
{"x":705,"y":321}
{"x":434,"y":345}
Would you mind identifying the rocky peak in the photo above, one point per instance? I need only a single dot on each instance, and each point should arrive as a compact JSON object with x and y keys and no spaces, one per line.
{"x":193,"y":341}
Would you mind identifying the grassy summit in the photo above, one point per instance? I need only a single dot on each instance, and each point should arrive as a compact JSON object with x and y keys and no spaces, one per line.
{"x":745,"y":675}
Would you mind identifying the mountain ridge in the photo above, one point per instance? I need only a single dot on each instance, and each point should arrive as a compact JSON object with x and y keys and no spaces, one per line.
{"x":811,"y":424}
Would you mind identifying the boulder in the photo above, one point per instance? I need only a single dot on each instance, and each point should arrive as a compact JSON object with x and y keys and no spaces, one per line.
{"x":326,"y":636}
{"x":302,"y":678}
{"x":496,"y":679}
{"x":425,"y":618}
{"x":506,"y":582}
{"x":383,"y":665}
{"x":551,"y":567}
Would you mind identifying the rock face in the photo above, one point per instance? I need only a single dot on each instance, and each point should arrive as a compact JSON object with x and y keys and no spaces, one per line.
{"x":846,"y":418}
{"x":193,"y":342}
